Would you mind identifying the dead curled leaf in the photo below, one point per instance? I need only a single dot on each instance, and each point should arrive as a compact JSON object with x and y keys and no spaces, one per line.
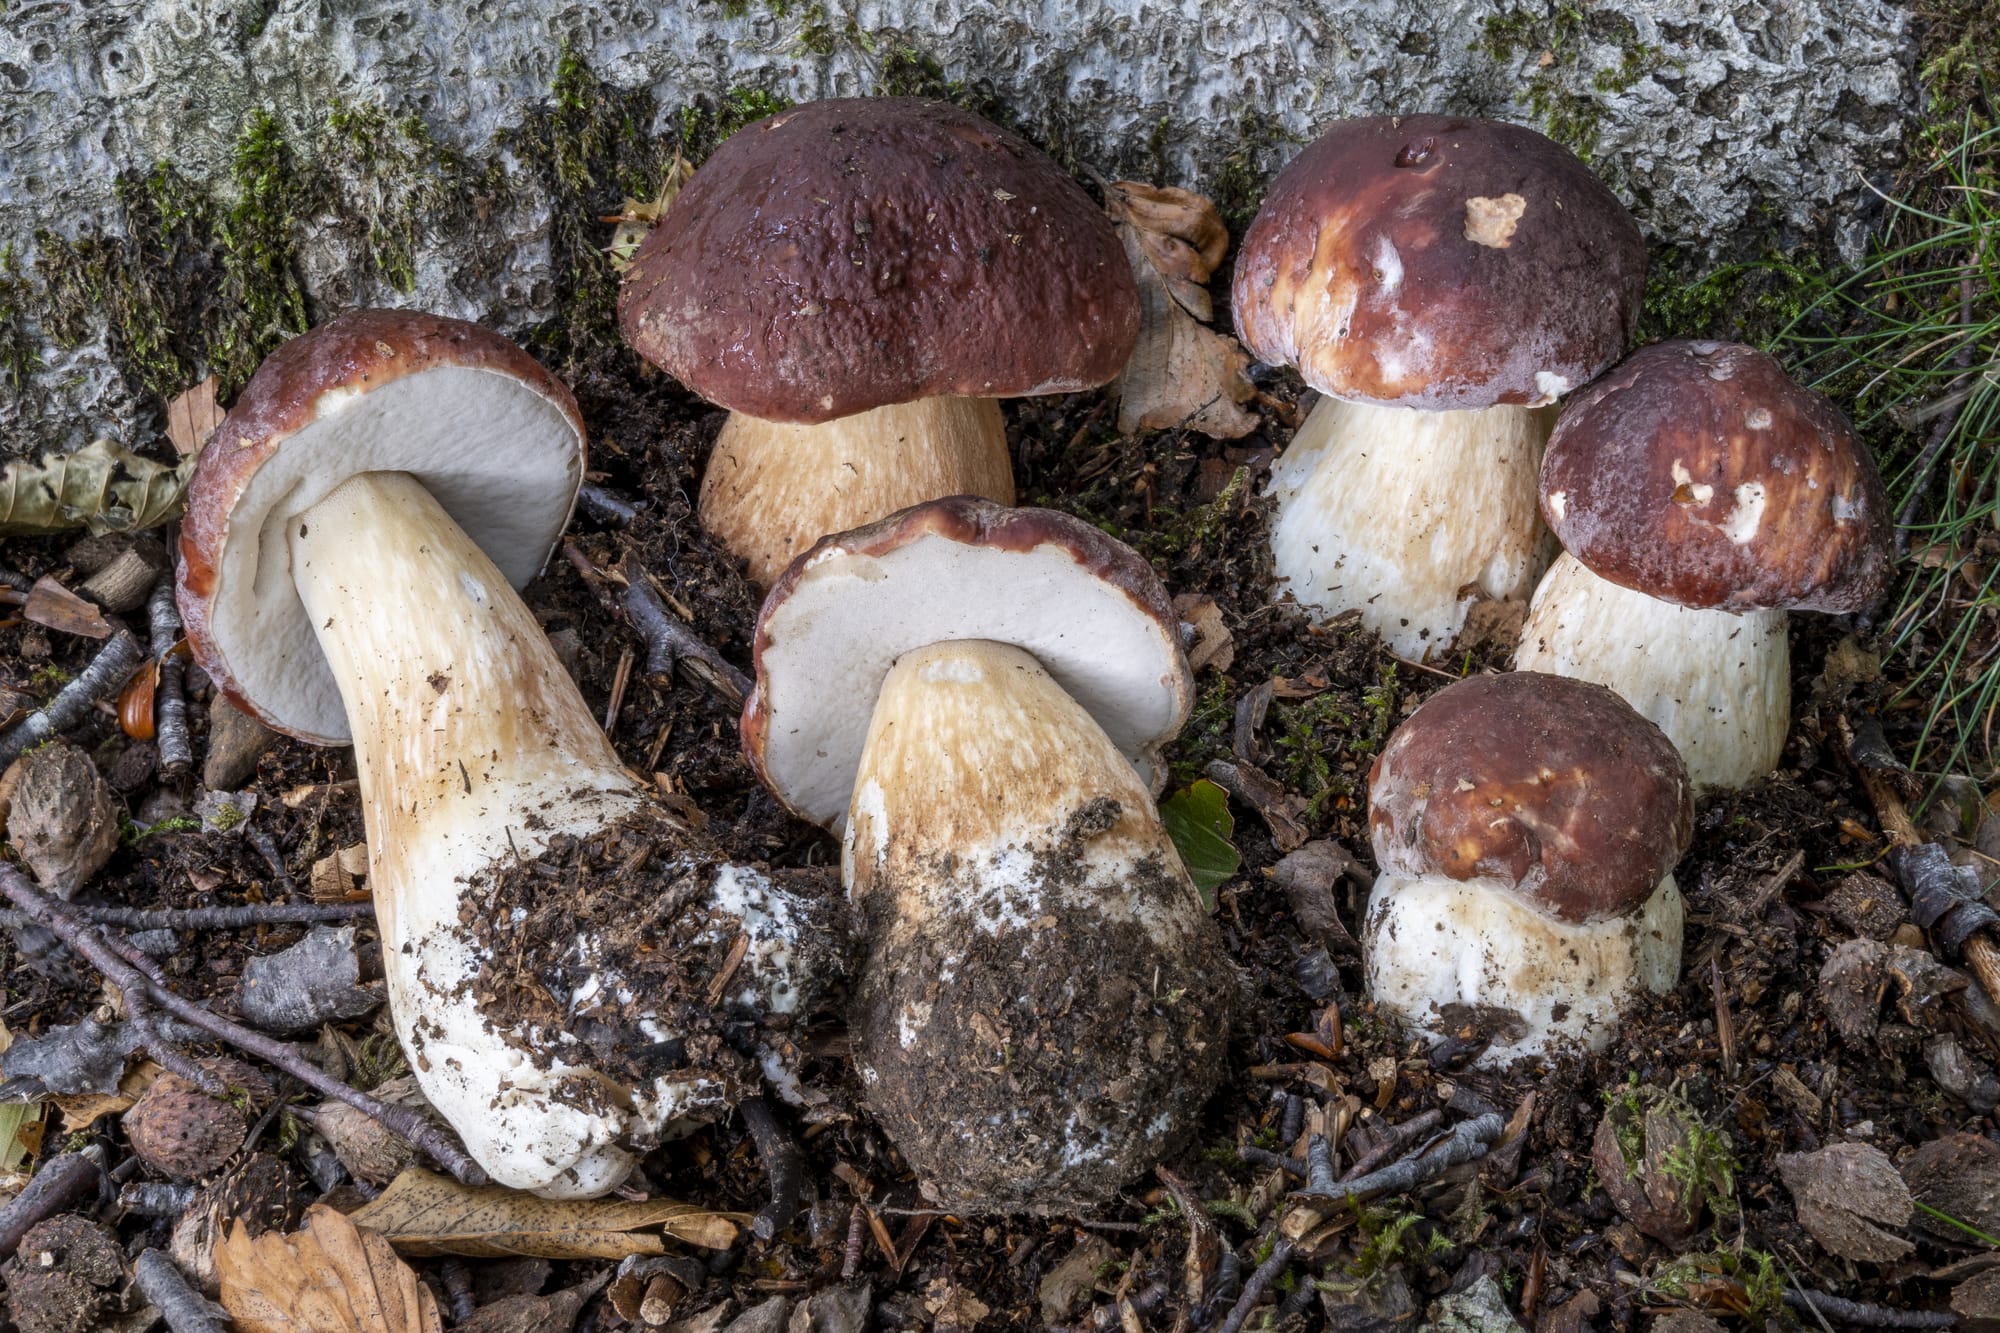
{"x":423,"y":1213}
{"x":331,"y":1277}
{"x":1182,"y":373}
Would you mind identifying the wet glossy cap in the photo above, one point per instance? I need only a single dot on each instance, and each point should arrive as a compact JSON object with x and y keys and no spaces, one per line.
{"x":493,"y":436}
{"x":1439,"y":262}
{"x":1086,"y":606}
{"x":1701,"y":474}
{"x":1553,"y":786}
{"x":850,"y":254}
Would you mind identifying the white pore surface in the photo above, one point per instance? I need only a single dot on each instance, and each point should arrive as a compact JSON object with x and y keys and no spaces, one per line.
{"x":1395,"y":513}
{"x":503,"y":460}
{"x":1433,"y":942}
{"x":850,"y":617}
{"x":1718,"y":683}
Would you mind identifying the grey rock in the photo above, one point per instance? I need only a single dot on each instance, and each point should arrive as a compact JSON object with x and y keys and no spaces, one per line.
{"x":1708,"y":116}
{"x":236,"y":741}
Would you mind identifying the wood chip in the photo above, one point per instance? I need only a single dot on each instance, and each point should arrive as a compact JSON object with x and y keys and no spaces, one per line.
{"x":51,"y":604}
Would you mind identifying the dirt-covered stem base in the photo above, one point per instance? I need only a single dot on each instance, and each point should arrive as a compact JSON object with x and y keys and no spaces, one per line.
{"x":1045,"y":1003}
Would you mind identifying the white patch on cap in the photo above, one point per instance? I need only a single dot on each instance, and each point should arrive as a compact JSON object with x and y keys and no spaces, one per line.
{"x":1741,"y":525}
{"x":1759,"y":418}
{"x":1492,"y":222}
{"x":1558,"y":504}
{"x":1388,"y":265}
{"x":1702,"y":494}
{"x":1549,"y":386}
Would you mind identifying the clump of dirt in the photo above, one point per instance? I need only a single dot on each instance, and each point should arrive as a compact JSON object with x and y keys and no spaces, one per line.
{"x":623,"y":939}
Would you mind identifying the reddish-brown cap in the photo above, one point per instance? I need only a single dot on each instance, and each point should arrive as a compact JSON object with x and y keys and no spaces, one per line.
{"x":1085,"y":605}
{"x":1553,"y":786}
{"x":850,"y":254}
{"x":1437,"y":262}
{"x":1699,"y":473}
{"x":496,"y":438}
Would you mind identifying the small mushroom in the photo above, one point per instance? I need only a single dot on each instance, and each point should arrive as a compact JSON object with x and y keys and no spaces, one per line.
{"x":1439,"y":279}
{"x":858,"y":280}
{"x":974,"y":698}
{"x":1699,"y":492}
{"x":354,"y":535}
{"x":1526,"y":827}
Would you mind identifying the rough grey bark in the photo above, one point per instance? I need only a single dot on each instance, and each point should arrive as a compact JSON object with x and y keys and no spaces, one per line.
{"x":1709,"y":116}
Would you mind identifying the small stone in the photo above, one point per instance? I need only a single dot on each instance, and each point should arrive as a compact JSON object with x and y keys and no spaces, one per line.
{"x":235,"y":742}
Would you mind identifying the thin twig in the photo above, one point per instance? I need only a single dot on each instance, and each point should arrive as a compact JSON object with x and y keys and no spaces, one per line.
{"x":783,"y":1166}
{"x":58,"y":1185}
{"x":1264,"y":1157}
{"x":1466,"y":1141}
{"x":669,"y":639}
{"x":268,"y":849}
{"x":155,"y":1198}
{"x":180,"y":1305}
{"x":1394,"y":1139}
{"x":126,"y":967}
{"x":247,"y":917}
{"x":1844,"y":1311}
{"x":170,"y":725}
{"x":857,"y":1230}
{"x":115,"y":662}
{"x":145,"y":1021}
{"x":606,"y":508}
{"x":1253,"y":1290}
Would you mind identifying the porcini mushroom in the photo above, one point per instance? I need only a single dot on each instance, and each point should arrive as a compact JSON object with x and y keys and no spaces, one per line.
{"x":354,"y":534}
{"x":1699,"y":493}
{"x":858,"y":280}
{"x":973,"y":698}
{"x":1526,"y":827}
{"x":1439,"y":279}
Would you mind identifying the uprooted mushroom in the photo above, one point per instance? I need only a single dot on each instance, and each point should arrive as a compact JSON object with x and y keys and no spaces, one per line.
{"x":355,"y":533}
{"x":974,"y":697}
{"x":1526,"y":827}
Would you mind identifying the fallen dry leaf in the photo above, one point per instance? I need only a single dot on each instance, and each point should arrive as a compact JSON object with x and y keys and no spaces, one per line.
{"x":331,"y":1277}
{"x":192,"y":417}
{"x":1959,"y":1176}
{"x":1214,"y":646}
{"x":1181,"y":373}
{"x":1842,"y":1192}
{"x":51,"y":604}
{"x":423,"y":1213}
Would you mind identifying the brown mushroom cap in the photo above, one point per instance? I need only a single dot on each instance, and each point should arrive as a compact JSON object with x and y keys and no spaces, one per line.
{"x":1086,"y":606}
{"x":493,"y":436}
{"x":1440,"y":263}
{"x":850,"y":254}
{"x":1551,"y":785}
{"x":1701,"y":474}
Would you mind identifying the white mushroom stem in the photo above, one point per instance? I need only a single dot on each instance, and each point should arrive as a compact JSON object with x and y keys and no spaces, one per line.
{"x":1433,"y":943}
{"x":472,"y":744}
{"x":774,"y":488}
{"x":1405,"y":515}
{"x":1717,"y":682}
{"x":1037,"y":1020}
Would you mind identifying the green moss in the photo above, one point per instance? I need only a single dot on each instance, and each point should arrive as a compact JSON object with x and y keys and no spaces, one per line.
{"x":47,"y":678}
{"x":394,"y":179}
{"x":909,"y":72}
{"x":1554,"y":37}
{"x":1753,"y":301}
{"x":703,"y":126}
{"x":1695,"y":1276}
{"x":18,"y":353}
{"x":1237,"y":187}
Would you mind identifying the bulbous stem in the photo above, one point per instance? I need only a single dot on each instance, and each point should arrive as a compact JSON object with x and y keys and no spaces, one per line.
{"x":1717,"y":682}
{"x":1045,"y":1003}
{"x":774,"y":488}
{"x":471,"y":744}
{"x":1403,"y":515}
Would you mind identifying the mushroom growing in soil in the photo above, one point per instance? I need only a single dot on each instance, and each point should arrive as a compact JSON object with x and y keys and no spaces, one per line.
{"x":973,"y":697}
{"x":354,"y":535}
{"x":1699,"y":493}
{"x":857,"y":281}
{"x":1439,"y":280}
{"x":1526,"y":827}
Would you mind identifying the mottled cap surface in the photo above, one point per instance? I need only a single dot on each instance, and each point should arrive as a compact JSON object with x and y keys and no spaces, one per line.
{"x":1553,"y":786}
{"x":850,"y":254}
{"x":493,"y":436}
{"x":1086,"y":606}
{"x":1701,"y":474}
{"x":1441,"y":263}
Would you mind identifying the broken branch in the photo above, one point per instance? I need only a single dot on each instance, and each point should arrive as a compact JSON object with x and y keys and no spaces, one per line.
{"x":170,"y":727}
{"x":118,"y":659}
